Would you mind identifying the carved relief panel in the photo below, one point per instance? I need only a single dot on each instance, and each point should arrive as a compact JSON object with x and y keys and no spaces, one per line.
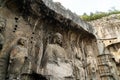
{"x":50,"y":50}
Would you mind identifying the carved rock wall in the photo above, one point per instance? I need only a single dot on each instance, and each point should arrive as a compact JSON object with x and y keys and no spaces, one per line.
{"x":39,"y":33}
{"x":107,"y":34}
{"x":38,"y":42}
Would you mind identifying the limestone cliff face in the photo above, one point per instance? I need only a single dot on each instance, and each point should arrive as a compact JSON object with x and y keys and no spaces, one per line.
{"x":41,"y":40}
{"x":107,"y":31}
{"x":107,"y":27}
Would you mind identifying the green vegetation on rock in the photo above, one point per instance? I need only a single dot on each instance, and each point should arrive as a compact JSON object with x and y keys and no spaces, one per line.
{"x":98,"y":15}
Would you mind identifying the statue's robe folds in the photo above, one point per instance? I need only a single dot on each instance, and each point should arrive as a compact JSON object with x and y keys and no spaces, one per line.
{"x":57,"y":66}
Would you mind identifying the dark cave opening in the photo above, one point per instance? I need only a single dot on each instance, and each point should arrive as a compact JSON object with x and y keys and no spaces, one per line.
{"x":34,"y":76}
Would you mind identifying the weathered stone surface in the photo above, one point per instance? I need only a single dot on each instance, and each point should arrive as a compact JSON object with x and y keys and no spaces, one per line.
{"x":107,"y":34}
{"x":57,"y":66}
{"x":56,"y":44}
{"x":59,"y":9}
{"x":18,"y":60}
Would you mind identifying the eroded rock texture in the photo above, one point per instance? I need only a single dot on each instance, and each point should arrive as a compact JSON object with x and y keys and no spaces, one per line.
{"x":107,"y":34}
{"x":41,"y":40}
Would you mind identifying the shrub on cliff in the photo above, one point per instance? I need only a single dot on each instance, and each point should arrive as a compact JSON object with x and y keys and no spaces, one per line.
{"x":98,"y":15}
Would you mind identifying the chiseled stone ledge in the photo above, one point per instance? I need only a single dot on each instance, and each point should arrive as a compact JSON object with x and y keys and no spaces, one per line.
{"x":67,"y":14}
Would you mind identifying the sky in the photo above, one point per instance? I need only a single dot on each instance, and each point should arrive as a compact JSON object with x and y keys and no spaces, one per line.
{"x":87,"y":6}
